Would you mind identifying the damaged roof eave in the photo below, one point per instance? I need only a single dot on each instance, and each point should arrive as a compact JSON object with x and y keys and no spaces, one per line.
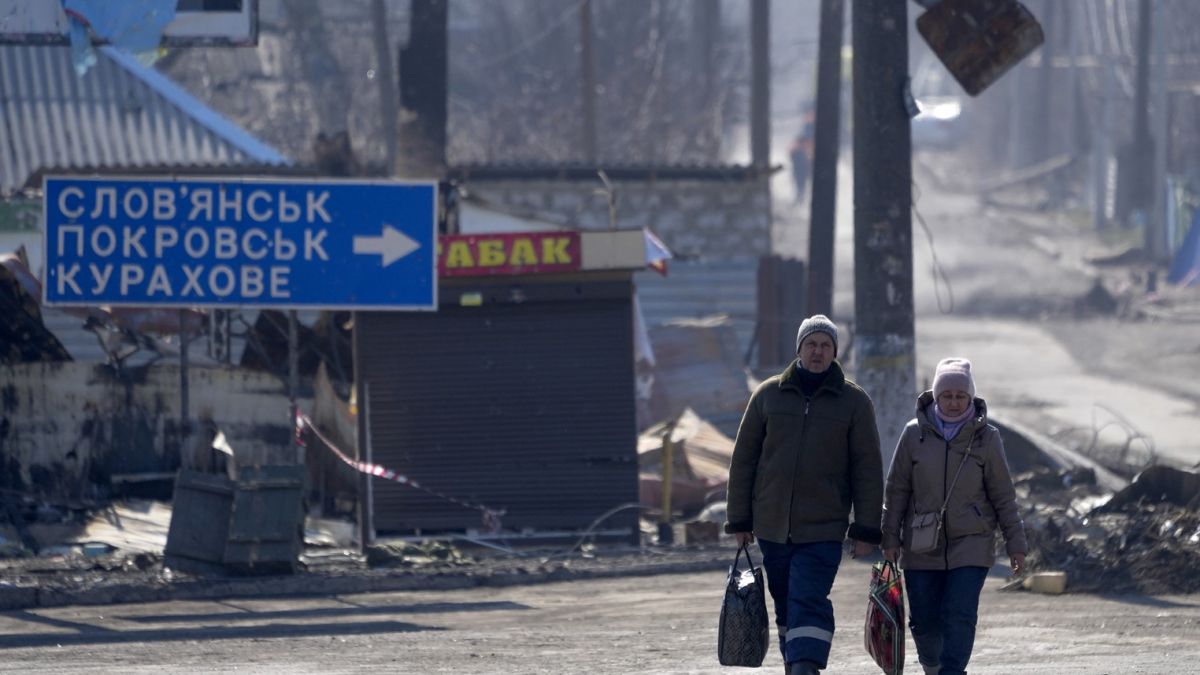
{"x":197,"y":109}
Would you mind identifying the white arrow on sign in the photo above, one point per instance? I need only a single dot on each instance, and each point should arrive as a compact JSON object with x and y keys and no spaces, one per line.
{"x":392,"y":244}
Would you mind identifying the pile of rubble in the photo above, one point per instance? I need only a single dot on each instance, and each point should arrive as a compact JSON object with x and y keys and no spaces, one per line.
{"x":23,"y":335}
{"x":430,"y":553}
{"x":1145,"y":538}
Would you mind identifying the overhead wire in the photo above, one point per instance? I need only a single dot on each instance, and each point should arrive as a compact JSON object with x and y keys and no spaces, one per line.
{"x":937,"y":268}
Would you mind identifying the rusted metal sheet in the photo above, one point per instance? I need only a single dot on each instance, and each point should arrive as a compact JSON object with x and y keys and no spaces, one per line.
{"x":979,"y":40}
{"x":523,"y":403}
{"x":696,"y":289}
{"x":782,"y":297}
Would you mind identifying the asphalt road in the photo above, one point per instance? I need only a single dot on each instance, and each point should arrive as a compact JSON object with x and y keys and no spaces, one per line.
{"x":657,"y":624}
{"x":1008,"y":301}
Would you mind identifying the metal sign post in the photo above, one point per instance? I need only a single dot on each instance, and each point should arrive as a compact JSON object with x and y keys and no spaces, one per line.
{"x":239,"y":242}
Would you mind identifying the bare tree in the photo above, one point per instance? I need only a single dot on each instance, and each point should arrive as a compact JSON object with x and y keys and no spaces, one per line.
{"x":515,"y":82}
{"x":671,"y":78}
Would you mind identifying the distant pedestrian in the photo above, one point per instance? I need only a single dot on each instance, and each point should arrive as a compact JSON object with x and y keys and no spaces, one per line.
{"x":949,"y":462}
{"x":799,"y":157}
{"x":807,"y":449}
{"x":801,"y":154}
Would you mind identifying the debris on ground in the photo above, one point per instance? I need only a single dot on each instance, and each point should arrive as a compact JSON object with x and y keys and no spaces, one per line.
{"x":23,"y":336}
{"x":427,"y":553}
{"x":1098,"y":300}
{"x":1050,"y":583}
{"x":12,"y":549}
{"x":1162,"y":484}
{"x":1145,"y":539}
{"x":700,"y":456}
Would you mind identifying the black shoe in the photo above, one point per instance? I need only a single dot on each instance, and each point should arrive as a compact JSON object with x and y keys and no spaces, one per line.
{"x":803,"y":668}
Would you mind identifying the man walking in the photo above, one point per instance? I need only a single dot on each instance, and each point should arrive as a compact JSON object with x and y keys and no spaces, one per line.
{"x":807,"y":450}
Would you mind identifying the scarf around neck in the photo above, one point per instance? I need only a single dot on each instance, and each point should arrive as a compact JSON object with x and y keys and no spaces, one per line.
{"x":950,"y":426}
{"x":810,"y":381}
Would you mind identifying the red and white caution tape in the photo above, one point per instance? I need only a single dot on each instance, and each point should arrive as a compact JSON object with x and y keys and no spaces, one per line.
{"x":491,"y":517}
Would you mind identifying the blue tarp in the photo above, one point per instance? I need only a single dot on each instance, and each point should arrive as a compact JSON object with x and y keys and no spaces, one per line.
{"x":1185,"y":268}
{"x":131,"y":25}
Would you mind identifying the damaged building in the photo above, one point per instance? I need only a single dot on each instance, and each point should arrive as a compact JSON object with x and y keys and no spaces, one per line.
{"x":93,"y":399}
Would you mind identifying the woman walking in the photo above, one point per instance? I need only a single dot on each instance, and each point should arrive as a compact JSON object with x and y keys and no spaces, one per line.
{"x":947,"y":491}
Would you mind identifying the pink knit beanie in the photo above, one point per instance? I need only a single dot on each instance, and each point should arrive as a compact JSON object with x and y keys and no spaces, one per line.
{"x":953,"y":374}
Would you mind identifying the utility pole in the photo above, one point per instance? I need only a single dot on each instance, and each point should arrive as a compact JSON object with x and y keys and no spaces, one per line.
{"x":1014,"y":130}
{"x":364,"y":507}
{"x":706,"y":29}
{"x":1141,"y":120}
{"x":760,"y":83}
{"x":1100,"y":145}
{"x":1075,"y":129}
{"x":1045,"y":141}
{"x":388,"y":99}
{"x":293,"y":343}
{"x":1143,"y":171}
{"x":423,"y":90}
{"x":185,"y":420}
{"x":1160,"y":248}
{"x":421,"y":153}
{"x":1136,"y":161}
{"x":706,"y":20}
{"x":884,"y":339}
{"x":822,"y":222}
{"x":587,"y":68}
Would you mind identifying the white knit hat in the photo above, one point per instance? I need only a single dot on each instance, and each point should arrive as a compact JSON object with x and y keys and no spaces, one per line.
{"x":953,"y":374}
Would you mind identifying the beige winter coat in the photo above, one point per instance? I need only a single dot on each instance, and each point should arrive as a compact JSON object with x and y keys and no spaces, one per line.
{"x":982,"y":500}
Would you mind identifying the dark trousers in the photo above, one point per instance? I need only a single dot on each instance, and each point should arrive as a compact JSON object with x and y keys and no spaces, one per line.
{"x":943,"y":606}
{"x":799,"y":577}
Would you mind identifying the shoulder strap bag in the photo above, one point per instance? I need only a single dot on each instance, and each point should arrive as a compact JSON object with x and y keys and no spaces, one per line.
{"x":927,"y":527}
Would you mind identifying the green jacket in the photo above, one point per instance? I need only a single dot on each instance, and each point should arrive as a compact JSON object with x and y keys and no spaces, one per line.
{"x":982,"y":501}
{"x":800,"y":463}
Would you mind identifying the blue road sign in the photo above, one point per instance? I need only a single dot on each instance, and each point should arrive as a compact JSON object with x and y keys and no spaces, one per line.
{"x":224,"y":242}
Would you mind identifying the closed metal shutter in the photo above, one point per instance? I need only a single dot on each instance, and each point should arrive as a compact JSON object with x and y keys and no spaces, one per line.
{"x":525,"y":403}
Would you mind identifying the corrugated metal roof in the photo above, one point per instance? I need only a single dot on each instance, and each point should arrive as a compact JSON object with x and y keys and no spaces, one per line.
{"x":120,"y":115}
{"x":702,"y":288}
